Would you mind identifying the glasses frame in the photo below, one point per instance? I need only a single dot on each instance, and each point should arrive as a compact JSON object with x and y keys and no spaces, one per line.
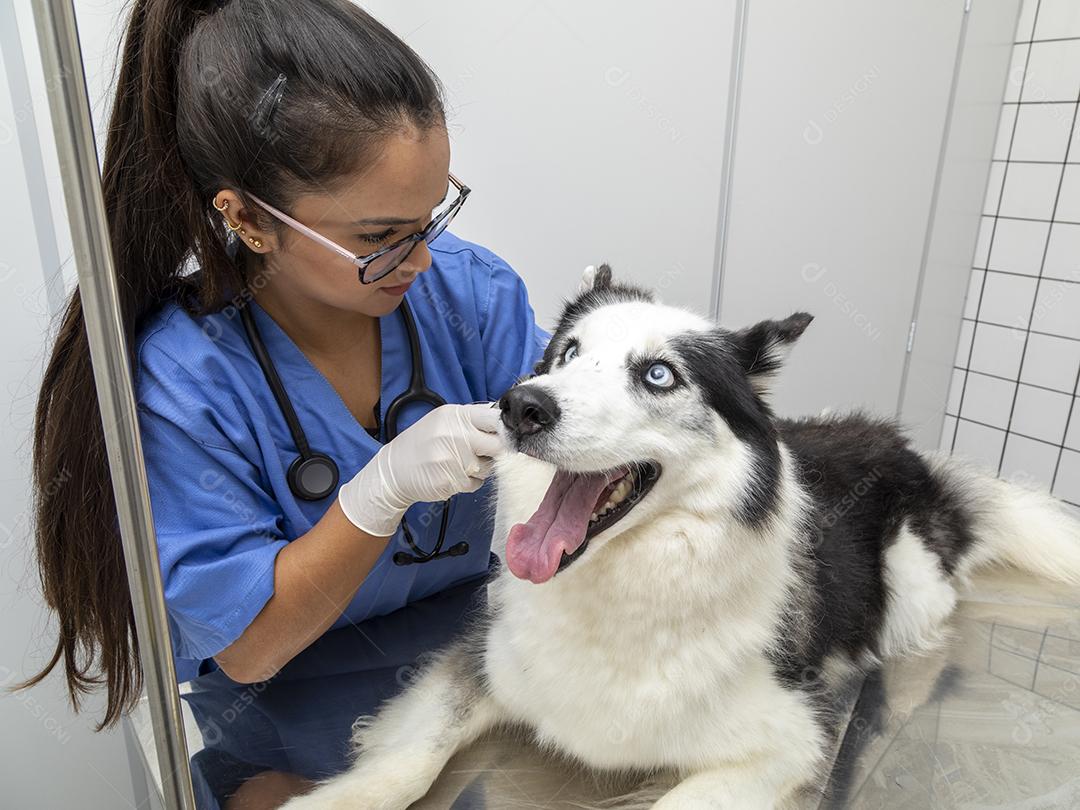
{"x":362,"y":262}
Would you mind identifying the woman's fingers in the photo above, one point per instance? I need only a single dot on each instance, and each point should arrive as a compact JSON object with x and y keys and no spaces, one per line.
{"x":488,"y":444}
{"x":480,"y":471}
{"x":484,"y":415}
{"x":484,"y":439}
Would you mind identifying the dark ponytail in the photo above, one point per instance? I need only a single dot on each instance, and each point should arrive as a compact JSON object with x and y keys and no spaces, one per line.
{"x":186,"y":122}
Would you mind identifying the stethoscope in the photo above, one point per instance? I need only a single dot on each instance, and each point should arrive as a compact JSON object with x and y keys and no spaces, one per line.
{"x":313,"y":476}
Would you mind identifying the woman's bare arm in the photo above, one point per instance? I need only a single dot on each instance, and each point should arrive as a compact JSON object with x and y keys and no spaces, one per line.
{"x":315,"y":578}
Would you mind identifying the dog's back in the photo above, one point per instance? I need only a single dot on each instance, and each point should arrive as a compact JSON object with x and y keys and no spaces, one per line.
{"x":891,"y":534}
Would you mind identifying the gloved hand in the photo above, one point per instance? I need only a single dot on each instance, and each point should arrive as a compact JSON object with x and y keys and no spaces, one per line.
{"x":447,"y":451}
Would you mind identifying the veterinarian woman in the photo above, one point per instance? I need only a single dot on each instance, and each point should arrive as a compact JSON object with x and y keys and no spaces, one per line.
{"x":289,"y":161}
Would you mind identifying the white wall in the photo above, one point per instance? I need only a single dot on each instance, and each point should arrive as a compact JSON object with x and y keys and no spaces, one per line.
{"x":597,"y":131}
{"x":589,"y":132}
{"x":839,"y":132}
{"x":48,"y":756}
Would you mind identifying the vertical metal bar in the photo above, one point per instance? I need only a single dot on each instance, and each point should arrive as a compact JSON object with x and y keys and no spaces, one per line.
{"x":61,"y":59}
{"x":727,"y":171}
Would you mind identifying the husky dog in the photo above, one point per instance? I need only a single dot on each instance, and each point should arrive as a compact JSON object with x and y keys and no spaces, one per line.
{"x":689,"y":571}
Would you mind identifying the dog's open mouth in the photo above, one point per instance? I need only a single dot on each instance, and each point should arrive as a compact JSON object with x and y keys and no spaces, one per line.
{"x":576,"y":507}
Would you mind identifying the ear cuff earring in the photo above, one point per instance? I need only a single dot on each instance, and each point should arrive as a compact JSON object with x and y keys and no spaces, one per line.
{"x":237,"y":227}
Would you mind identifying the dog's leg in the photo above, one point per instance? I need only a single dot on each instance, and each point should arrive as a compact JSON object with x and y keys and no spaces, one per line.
{"x":401,"y":751}
{"x":758,"y":778}
{"x":759,"y":784}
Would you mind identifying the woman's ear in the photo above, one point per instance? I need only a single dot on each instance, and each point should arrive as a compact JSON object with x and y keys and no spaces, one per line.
{"x":762,"y":348}
{"x":240,"y":220}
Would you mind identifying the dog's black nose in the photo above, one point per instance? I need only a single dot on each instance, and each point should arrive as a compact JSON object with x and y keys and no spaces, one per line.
{"x":528,"y":409}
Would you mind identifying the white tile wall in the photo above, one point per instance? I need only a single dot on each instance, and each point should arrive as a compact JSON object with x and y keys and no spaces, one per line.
{"x":1057,"y":18}
{"x":1027,"y":460}
{"x":974,"y":294}
{"x":1040,"y":414}
{"x":1063,"y":252}
{"x":1042,"y":132}
{"x":1068,"y":204}
{"x":1013,"y":404}
{"x":1007,"y":299}
{"x":1068,"y":477}
{"x":997,"y":350}
{"x":1050,"y":362}
{"x":1057,"y":309}
{"x":1017,"y":246}
{"x":1052,"y":72}
{"x":1072,"y":438}
{"x":1029,"y":190}
{"x":979,"y":442}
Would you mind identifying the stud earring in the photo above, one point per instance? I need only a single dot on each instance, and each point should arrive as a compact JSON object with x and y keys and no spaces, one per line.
{"x":255,"y":242}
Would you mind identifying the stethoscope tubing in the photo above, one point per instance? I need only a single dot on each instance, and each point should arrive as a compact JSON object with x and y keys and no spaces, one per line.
{"x":417,"y":391}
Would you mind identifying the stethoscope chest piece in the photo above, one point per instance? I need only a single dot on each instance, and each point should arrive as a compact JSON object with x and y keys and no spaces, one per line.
{"x":313,"y":477}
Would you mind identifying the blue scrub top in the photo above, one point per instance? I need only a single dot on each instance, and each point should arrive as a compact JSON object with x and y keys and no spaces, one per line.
{"x":217,"y":447}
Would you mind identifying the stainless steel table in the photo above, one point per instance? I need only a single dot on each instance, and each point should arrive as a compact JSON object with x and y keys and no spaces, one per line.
{"x":992,"y":720}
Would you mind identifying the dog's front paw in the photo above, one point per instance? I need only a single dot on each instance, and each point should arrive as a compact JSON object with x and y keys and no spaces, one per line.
{"x":362,"y":789}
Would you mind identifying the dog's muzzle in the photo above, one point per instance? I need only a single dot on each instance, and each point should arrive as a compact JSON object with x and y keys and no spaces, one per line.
{"x":528,"y":409}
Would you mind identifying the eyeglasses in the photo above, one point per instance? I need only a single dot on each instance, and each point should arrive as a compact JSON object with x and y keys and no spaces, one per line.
{"x":378,"y":264}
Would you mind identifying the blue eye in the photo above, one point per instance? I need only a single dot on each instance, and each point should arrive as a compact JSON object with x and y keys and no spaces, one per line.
{"x":569,"y":353}
{"x":659,"y":375}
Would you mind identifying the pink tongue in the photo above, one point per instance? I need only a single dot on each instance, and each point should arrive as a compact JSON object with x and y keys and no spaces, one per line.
{"x":533,"y":549}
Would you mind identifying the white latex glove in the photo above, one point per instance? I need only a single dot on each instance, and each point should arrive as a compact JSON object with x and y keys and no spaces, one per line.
{"x":447,"y":451}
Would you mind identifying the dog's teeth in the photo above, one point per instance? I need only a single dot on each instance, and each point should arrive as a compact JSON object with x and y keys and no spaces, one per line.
{"x":620,"y":492}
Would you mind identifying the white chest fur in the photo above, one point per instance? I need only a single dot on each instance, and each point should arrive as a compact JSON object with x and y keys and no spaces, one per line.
{"x":658,"y":663}
{"x":651,"y":654}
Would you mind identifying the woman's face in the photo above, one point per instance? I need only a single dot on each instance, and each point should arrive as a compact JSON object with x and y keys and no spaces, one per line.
{"x":391,"y":198}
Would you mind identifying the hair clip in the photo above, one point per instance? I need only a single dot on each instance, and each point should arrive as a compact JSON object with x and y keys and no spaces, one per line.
{"x":264,"y":110}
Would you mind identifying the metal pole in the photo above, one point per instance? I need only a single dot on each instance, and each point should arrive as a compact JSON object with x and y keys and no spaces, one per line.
{"x":61,"y":56}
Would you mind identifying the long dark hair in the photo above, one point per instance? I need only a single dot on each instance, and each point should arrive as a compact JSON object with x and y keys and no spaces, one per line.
{"x":186,"y":122}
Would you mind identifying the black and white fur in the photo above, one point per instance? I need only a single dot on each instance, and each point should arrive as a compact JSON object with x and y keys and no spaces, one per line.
{"x":701,"y":633}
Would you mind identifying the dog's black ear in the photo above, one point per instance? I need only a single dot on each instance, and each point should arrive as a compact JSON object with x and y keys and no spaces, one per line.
{"x":595,"y":278}
{"x":762,"y":348}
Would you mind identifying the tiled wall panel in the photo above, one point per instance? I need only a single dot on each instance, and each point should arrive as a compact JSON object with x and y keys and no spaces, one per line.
{"x":1013,"y":402}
